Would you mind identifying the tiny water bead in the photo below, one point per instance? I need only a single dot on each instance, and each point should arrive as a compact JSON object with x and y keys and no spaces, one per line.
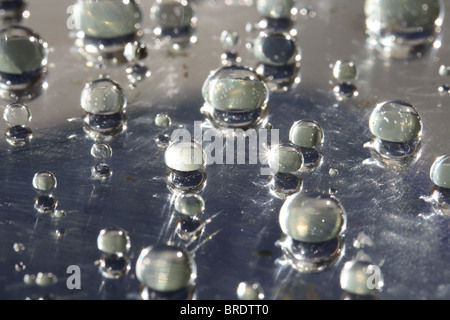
{"x":310,"y":257}
{"x":103,"y":97}
{"x":400,"y":26}
{"x":275,"y":9}
{"x":229,"y":39}
{"x":113,"y":240}
{"x":44,"y":181}
{"x":306,"y":133}
{"x":250,"y":291}
{"x":395,"y":121}
{"x":283,"y":185}
{"x":46,"y":279}
{"x":18,"y":247}
{"x":16,"y":114}
{"x":185,"y":156}
{"x":45,"y":203}
{"x":189,"y":204}
{"x":173,"y":15}
{"x":114,"y":266}
{"x":440,"y":172}
{"x":344,"y":70}
{"x":276,"y":49}
{"x":135,"y":51}
{"x":107,"y":19}
{"x":285,"y":158}
{"x":163,"y":120}
{"x":165,"y":268}
{"x":444,"y":71}
{"x":312,"y":217}
{"x":361,"y":278}
{"x":235,"y":96}
{"x":101,"y":150}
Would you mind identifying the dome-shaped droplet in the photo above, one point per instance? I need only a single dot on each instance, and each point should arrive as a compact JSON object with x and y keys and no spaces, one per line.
{"x":163,"y":120}
{"x":103,"y":97}
{"x":44,"y":181}
{"x":275,"y":9}
{"x":402,"y":23}
{"x":276,"y":49}
{"x":395,"y":121}
{"x":22,"y":52}
{"x":101,"y":150}
{"x":107,"y":19}
{"x":361,"y":277}
{"x":285,"y":158}
{"x":306,"y":134}
{"x":344,"y":70}
{"x":113,"y":241}
{"x":250,"y":291}
{"x":189,"y":204}
{"x":228,"y":38}
{"x":440,"y":172}
{"x":45,"y":279}
{"x":312,"y":217}
{"x":165,"y":268}
{"x":17,"y":114}
{"x":235,"y":96}
{"x":185,"y":156}
{"x":172,"y":13}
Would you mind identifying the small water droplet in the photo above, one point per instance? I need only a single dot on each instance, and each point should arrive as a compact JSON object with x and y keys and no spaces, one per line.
{"x":357,"y":275}
{"x":101,"y":171}
{"x":345,"y":90}
{"x":166,"y":268}
{"x":18,"y":136}
{"x":163,"y":120}
{"x":444,"y":71}
{"x":189,"y":204}
{"x":306,"y":134}
{"x":333,"y":172}
{"x":46,"y":279}
{"x":445,"y":88}
{"x":137,"y":73}
{"x":250,"y":291}
{"x":229,"y":38}
{"x":45,"y":203}
{"x":29,"y":279}
{"x":59,"y":213}
{"x":101,"y":150}
{"x":44,"y":181}
{"x":17,"y":114}
{"x":275,"y":9}
{"x":285,"y":158}
{"x":103,"y":97}
{"x":283,"y":185}
{"x":189,"y":228}
{"x":59,"y":233}
{"x":344,"y":70}
{"x":18,"y":247}
{"x":163,"y":140}
{"x":113,"y":241}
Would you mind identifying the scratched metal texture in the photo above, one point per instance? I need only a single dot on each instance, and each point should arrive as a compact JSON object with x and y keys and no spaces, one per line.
{"x":410,"y":241}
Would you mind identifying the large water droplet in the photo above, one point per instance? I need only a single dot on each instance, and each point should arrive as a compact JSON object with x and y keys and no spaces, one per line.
{"x":103,"y":97}
{"x":165,"y":268}
{"x":235,"y":96}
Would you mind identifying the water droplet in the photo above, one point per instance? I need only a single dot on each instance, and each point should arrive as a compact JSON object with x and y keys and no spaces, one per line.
{"x":310,"y":257}
{"x":114,"y":266}
{"x":103,"y":97}
{"x":312,"y":159}
{"x":106,"y":28}
{"x":59,"y":233}
{"x":312,"y":217}
{"x":163,"y":120}
{"x":275,"y":9}
{"x":46,"y":279}
{"x":101,"y":171}
{"x":113,"y":240}
{"x":18,"y":136}
{"x":17,"y":114}
{"x":344,"y":70}
{"x":135,"y":51}
{"x":306,"y":133}
{"x":250,"y":291}
{"x":101,"y":150}
{"x":185,"y":156}
{"x":276,"y":49}
{"x":395,"y":121}
{"x":230,"y":58}
{"x":439,"y":198}
{"x":12,"y":11}
{"x":283,"y":185}
{"x":345,"y":90}
{"x":440,"y":172}
{"x":59,"y":213}
{"x":402,"y":29}
{"x":44,"y":181}
{"x":166,"y":268}
{"x":45,"y":203}
{"x":189,"y":228}
{"x":361,"y":278}
{"x":29,"y":279}
{"x":229,"y":39}
{"x":444,"y":71}
{"x":235,"y":96}
{"x":18,"y":247}
{"x":285,"y":158}
{"x":104,"y":127}
{"x":180,"y":181}
{"x":445,"y":88}
{"x":333,"y":172}
{"x":189,"y":204}
{"x":22,"y":75}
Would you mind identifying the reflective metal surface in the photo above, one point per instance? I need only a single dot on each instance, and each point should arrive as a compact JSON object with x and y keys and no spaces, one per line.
{"x":385,"y":203}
